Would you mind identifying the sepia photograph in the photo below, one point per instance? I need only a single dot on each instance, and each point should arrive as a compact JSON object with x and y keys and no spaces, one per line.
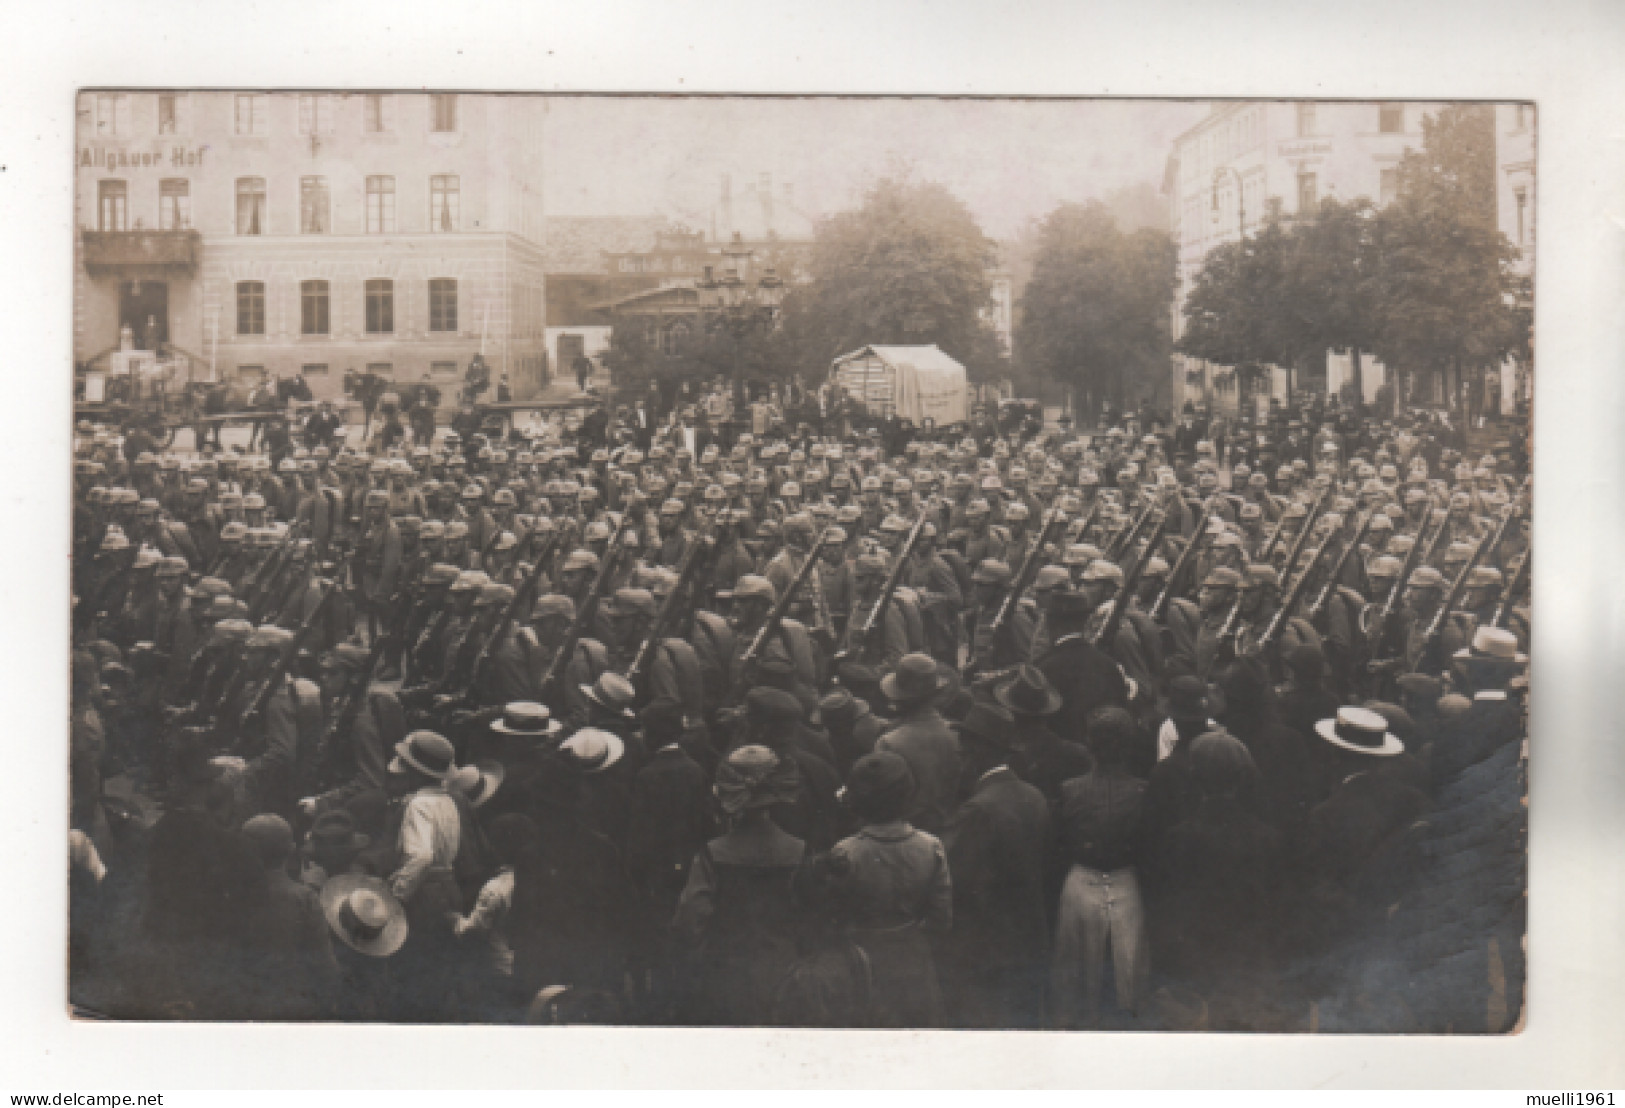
{"x":1049,"y":564}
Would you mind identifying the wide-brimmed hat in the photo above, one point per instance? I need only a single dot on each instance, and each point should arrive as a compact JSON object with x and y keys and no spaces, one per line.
{"x":1493,"y":644}
{"x":1362,"y":731}
{"x":592,"y":750}
{"x":1029,"y":693}
{"x":479,"y":782}
{"x":364,"y":914}
{"x":755,"y":777}
{"x":525,"y":719}
{"x":989,"y":723}
{"x":611,"y":692}
{"x":916,"y":678}
{"x":427,"y":752}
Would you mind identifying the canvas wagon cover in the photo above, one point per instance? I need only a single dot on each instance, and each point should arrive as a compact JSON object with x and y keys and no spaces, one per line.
{"x":917,"y":382}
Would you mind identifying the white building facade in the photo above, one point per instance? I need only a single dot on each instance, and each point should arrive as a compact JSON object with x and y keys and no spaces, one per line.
{"x":234,"y":234}
{"x":1250,"y":160}
{"x":1515,"y":215}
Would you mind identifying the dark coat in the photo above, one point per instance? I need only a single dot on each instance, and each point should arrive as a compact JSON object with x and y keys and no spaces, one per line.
{"x":671,"y":820}
{"x":1086,"y":679}
{"x":995,"y":959}
{"x":1471,"y":737}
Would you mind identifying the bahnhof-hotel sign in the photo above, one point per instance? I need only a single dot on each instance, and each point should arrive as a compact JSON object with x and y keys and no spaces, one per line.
{"x":177,"y":157}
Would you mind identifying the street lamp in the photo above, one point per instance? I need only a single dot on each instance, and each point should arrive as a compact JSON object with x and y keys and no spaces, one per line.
{"x":736,"y":305}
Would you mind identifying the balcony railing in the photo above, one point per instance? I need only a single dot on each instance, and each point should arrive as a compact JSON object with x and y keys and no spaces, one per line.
{"x":112,"y":250}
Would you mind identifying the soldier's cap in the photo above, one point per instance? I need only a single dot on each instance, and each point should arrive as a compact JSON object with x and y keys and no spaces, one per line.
{"x":1262,"y":576}
{"x":233,"y":629}
{"x":456,"y":529}
{"x":1227,"y":539}
{"x":1102,"y":570}
{"x":1154,"y":568}
{"x":596,"y":531}
{"x":345,"y":655}
{"x":147,"y":558}
{"x":1416,"y":495}
{"x":172,"y":567}
{"x":492,"y":595}
{"x":991,"y":571}
{"x":1080,"y":554}
{"x":1221,"y":577}
{"x":1071,"y":605}
{"x":1051,"y":577}
{"x":848,"y":513}
{"x":1426,"y":577}
{"x":471,"y":491}
{"x":469,"y":580}
{"x":409,"y":524}
{"x":755,"y":587}
{"x":504,"y":498}
{"x":269,"y":637}
{"x":554,"y":604}
{"x":1295,"y":510}
{"x":1458,"y":552}
{"x":835,"y":536}
{"x":1482,"y":577}
{"x":632,"y":602}
{"x":507,"y":540}
{"x":871,"y":564}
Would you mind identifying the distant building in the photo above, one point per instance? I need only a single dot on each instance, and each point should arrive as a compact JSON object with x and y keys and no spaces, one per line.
{"x":1515,"y":215}
{"x":1250,"y":160}
{"x":244,"y":233}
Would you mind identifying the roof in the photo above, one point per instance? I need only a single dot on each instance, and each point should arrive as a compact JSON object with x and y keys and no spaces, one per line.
{"x":578,"y":243}
{"x":920,"y":357}
{"x":578,"y":299}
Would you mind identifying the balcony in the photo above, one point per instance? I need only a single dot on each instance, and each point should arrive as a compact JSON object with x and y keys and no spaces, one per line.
{"x":111,"y":251}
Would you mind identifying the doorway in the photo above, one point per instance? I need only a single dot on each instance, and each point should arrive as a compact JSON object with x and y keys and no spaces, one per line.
{"x":144,"y":309}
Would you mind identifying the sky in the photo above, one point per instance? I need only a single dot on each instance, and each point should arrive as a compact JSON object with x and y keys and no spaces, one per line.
{"x":1009,"y":160}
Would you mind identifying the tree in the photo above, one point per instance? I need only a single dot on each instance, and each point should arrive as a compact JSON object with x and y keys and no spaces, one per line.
{"x":1232,"y":315}
{"x":1447,"y":299}
{"x":693,"y":347}
{"x":1095,"y":313}
{"x":909,"y":267}
{"x":1328,"y":297}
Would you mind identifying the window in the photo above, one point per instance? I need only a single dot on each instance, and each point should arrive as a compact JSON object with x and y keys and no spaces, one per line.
{"x":443,"y":111}
{"x":250,"y":116}
{"x":1388,"y":189}
{"x":380,"y":205}
{"x":251,"y":205}
{"x":445,"y":202}
{"x":1272,"y":207}
{"x":1520,"y":197}
{"x":171,"y":113}
{"x":1306,"y":120}
{"x":112,"y":205}
{"x":671,"y":340}
{"x":315,"y":114}
{"x":442,"y":304}
{"x":251,"y":307}
{"x":1307,"y":193}
{"x":112,"y":115}
{"x":175,"y":204}
{"x":1391,"y":119}
{"x":380,"y":306}
{"x":377,"y":113}
{"x":313,"y":308}
{"x":314,"y":206}
{"x":443,"y":369}
{"x":314,"y":369}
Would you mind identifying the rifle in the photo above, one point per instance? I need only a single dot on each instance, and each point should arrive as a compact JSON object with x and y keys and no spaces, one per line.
{"x":1290,"y":600}
{"x":285,"y":659}
{"x":1319,"y":604}
{"x":666,"y":618}
{"x":1302,"y":538}
{"x":1379,"y":629}
{"x":354,"y":696}
{"x":1029,"y":570}
{"x":522,"y":596}
{"x":1125,"y":591}
{"x":584,"y":613}
{"x":1520,"y":577}
{"x":1433,"y":544}
{"x":1160,"y":606}
{"x":1121,"y":545}
{"x":878,"y":612}
{"x":1485,"y":546}
{"x":265,"y":580}
{"x":1088,"y":518}
{"x":1275,"y":536}
{"x":781,"y":605}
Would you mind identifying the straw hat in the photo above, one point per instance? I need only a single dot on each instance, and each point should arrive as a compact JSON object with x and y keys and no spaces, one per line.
{"x":364,"y":914}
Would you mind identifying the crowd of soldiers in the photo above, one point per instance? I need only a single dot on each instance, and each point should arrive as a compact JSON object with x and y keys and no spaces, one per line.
{"x":1150,"y":727}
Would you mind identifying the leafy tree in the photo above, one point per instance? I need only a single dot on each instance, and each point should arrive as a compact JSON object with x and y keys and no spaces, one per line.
{"x":1095,"y":313}
{"x":1446,"y":296}
{"x":702,"y":351}
{"x":908,"y":267}
{"x":1232,"y":314}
